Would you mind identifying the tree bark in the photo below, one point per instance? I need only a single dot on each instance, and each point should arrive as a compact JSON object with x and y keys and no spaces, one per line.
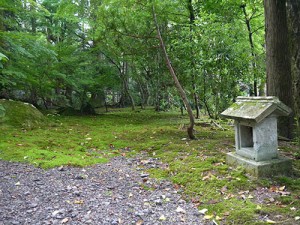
{"x":193,"y":64}
{"x":250,"y":36}
{"x":279,"y":80}
{"x":190,"y":129}
{"x":293,"y":11}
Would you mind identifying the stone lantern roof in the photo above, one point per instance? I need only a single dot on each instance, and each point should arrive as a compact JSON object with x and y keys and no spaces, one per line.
{"x":255,"y":109}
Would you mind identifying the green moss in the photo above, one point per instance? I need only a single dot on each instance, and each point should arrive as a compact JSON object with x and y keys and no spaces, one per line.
{"x":197,"y":167}
{"x":21,"y":114}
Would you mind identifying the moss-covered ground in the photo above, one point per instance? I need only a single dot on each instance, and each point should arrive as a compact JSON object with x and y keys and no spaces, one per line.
{"x":197,"y":167}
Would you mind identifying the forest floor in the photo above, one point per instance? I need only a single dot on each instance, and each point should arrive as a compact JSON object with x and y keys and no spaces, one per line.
{"x":196,"y":168}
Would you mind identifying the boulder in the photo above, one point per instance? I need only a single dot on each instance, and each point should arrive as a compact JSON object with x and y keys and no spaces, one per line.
{"x":21,"y":114}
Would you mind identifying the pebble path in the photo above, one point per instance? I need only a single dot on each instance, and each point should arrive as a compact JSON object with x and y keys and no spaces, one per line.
{"x":118,"y":192}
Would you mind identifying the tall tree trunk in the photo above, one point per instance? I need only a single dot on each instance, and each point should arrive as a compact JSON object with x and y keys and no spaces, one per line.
{"x":293,"y":10}
{"x":125,"y":81}
{"x":193,"y":64}
{"x":279,"y":80}
{"x":190,"y":129}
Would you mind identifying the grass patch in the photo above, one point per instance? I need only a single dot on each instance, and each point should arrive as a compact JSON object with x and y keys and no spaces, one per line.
{"x":197,"y":167}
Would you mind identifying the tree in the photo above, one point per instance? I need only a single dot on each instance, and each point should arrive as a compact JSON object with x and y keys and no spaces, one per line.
{"x":293,"y":10}
{"x":279,"y":79}
{"x":190,"y":129}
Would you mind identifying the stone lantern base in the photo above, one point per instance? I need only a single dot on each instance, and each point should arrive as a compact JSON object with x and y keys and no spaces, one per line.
{"x":268,"y":168}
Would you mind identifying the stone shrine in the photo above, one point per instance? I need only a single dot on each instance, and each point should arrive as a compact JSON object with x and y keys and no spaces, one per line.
{"x":255,"y":121}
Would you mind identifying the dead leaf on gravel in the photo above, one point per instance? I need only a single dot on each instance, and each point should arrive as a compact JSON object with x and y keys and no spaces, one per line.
{"x":271,"y":200}
{"x":65,"y":220}
{"x":250,"y":197}
{"x":180,"y":210}
{"x":162,"y":218}
{"x":284,"y":193}
{"x":78,"y":201}
{"x":282,"y":188}
{"x":139,"y":222}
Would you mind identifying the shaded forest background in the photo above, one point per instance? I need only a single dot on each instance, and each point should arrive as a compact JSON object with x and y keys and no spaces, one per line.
{"x":85,"y":54}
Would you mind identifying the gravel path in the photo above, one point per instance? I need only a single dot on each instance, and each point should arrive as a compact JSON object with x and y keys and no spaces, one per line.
{"x":118,"y":192}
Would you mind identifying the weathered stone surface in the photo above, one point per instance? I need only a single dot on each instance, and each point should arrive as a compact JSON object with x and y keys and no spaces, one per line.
{"x":256,"y":135}
{"x":255,"y":109}
{"x":258,"y":142}
{"x":268,"y":168}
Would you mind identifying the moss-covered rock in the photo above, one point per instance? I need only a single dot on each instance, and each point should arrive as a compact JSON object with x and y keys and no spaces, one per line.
{"x":15,"y":113}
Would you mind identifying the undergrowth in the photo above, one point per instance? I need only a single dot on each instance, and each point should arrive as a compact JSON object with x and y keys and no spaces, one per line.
{"x":198,"y":167}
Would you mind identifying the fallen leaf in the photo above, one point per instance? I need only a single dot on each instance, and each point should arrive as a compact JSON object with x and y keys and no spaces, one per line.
{"x":219,"y":218}
{"x":180,"y":210}
{"x":271,"y":200}
{"x":281,"y":188}
{"x":223,"y":190}
{"x":258,"y":207}
{"x":273,"y":189}
{"x":284,"y":193}
{"x":139,"y":222}
{"x":78,"y":201}
{"x":250,"y":197}
{"x":213,"y":201}
{"x":203,"y":211}
{"x":229,"y":196}
{"x":145,"y":161}
{"x":65,"y":220}
{"x":162,"y":218}
{"x":208,"y":217}
{"x":270,"y":221}
{"x":226,"y":213}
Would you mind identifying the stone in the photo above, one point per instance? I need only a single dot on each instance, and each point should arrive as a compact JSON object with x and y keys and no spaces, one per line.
{"x":255,"y":120}
{"x":267,"y":168}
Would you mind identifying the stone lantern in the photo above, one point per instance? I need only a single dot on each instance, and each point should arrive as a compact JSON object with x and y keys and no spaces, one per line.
{"x":255,"y":120}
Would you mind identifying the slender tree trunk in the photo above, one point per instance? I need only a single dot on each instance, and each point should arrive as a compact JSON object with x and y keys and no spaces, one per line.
{"x":250,"y":36}
{"x":125,"y":84}
{"x":190,"y":129}
{"x":279,"y":80}
{"x":193,"y":64}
